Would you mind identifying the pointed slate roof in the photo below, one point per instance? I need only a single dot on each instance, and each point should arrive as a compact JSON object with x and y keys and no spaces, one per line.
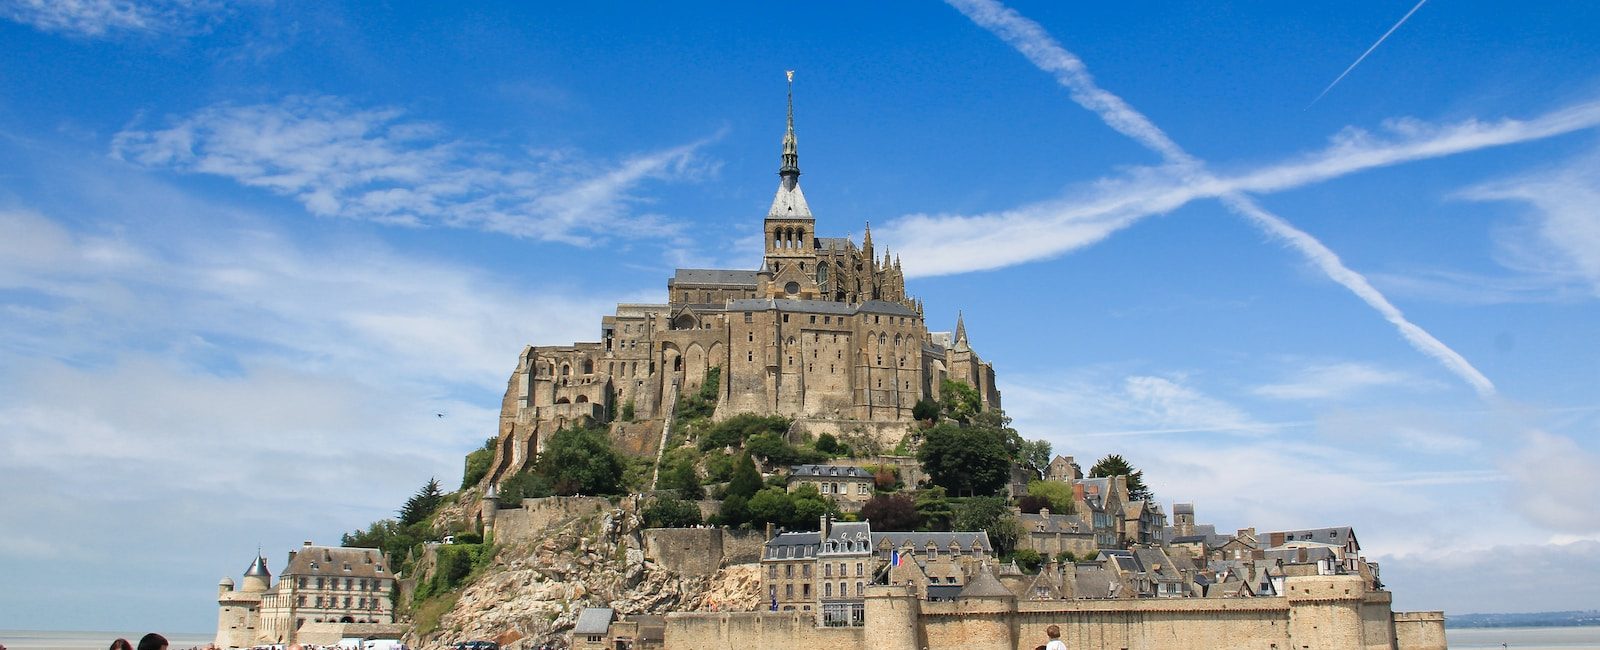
{"x":985,"y":585}
{"x":258,"y":567}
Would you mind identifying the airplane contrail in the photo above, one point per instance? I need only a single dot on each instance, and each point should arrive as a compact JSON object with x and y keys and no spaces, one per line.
{"x":1034,"y":43}
{"x":1363,"y":56}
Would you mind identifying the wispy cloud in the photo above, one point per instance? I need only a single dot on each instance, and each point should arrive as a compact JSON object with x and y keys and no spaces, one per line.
{"x":1333,"y":381}
{"x":1099,"y":403}
{"x":1028,"y":38}
{"x":339,"y":160}
{"x":98,"y":18}
{"x":1561,"y":239}
{"x":1364,"y":55}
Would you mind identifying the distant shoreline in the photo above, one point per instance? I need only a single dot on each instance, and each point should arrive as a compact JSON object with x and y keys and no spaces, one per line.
{"x":1589,"y":618}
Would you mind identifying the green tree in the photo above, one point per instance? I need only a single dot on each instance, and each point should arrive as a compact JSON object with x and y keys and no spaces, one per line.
{"x":771,"y":505}
{"x":671,"y":512}
{"x":477,"y":464}
{"x":809,"y":506}
{"x":1057,"y":493}
{"x":422,"y":504}
{"x":891,"y":512}
{"x":828,"y":444}
{"x":933,"y":508}
{"x":581,"y":461}
{"x":1116,"y":465}
{"x":746,"y":481}
{"x":526,"y":484}
{"x":1028,"y":560}
{"x":733,"y":431}
{"x":925,"y":409}
{"x":1034,"y":456}
{"x":959,"y":401}
{"x":682,"y":477}
{"x":965,"y":460}
{"x":990,"y":514}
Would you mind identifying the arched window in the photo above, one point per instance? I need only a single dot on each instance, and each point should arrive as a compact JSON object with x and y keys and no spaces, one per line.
{"x":588,"y":367}
{"x":582,"y":399}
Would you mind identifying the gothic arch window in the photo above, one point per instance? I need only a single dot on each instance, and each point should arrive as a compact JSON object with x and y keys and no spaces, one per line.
{"x":566,"y":370}
{"x":563,"y":400}
{"x":588,"y":367}
{"x":582,"y":399}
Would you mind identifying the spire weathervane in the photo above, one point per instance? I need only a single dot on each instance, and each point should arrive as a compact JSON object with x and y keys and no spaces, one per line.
{"x":790,"y":171}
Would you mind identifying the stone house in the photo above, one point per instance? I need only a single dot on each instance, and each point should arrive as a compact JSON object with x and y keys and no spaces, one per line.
{"x":849,"y":486}
{"x":323,"y":592}
{"x":1052,"y":534}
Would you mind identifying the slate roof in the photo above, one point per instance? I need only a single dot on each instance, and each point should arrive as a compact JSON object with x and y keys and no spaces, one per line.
{"x":1093,"y":581}
{"x":1183,"y":508}
{"x":258,"y":568}
{"x":919,"y":540}
{"x":593,"y":620}
{"x":834,"y":243}
{"x":789,"y":203}
{"x":1338,"y":536}
{"x":820,"y":306}
{"x":793,"y":545}
{"x":1055,"y":523}
{"x":885,"y":307}
{"x":985,"y":585}
{"x":830,"y":471}
{"x":338,"y":561}
{"x":726,"y":277}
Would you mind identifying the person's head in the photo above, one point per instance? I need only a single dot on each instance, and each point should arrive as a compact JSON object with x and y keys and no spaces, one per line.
{"x":1053,"y":632}
{"x":121,"y":644}
{"x":153,"y":641}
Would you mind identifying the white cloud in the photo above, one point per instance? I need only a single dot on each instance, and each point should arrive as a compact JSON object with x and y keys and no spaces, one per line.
{"x":340,"y":160}
{"x":1555,"y":481}
{"x":1098,"y":403}
{"x":98,"y":18}
{"x":1561,"y":239}
{"x":1333,"y":381}
{"x":1029,"y":39}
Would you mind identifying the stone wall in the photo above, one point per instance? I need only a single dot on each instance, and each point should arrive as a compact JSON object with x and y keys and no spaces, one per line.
{"x":701,"y":551}
{"x":535,"y":515}
{"x":1316,"y":614}
{"x":884,"y":434}
{"x":764,"y":630}
{"x":1419,"y":630}
{"x":330,"y":633}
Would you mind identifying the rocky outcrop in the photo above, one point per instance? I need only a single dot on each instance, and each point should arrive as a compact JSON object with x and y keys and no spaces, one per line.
{"x":534,"y":590}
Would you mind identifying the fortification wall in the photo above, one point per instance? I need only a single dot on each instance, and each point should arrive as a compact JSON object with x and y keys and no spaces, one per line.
{"x":534,"y":515}
{"x":764,"y":630}
{"x":1318,"y":615}
{"x":330,"y":633}
{"x":701,"y":551}
{"x":1419,"y":630}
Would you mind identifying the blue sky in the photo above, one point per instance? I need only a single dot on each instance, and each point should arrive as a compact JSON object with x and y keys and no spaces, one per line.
{"x":247,"y":250}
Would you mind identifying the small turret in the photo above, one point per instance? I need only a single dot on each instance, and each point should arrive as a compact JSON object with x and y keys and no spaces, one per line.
{"x":488,"y":507}
{"x":257,"y":578}
{"x":224,"y":585}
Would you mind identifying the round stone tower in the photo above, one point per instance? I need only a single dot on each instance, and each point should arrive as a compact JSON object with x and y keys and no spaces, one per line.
{"x":225,"y":585}
{"x":488,"y":507}
{"x":257,"y":578}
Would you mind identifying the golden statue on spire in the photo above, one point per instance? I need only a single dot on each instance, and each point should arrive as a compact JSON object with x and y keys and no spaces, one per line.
{"x":790,"y":74}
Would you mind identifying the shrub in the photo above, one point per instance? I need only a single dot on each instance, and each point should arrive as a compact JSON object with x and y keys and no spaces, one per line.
{"x":891,"y":512}
{"x":477,"y":464}
{"x":669,"y":512}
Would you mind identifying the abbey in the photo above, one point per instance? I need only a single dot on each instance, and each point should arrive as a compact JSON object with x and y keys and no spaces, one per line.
{"x":823,"y":332}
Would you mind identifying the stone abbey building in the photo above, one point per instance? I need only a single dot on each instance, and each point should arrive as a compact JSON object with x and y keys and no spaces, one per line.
{"x":823,"y":332}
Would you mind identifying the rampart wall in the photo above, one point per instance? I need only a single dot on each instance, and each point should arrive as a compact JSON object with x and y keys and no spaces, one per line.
{"x":1316,"y":614}
{"x":535,"y":515}
{"x":701,"y":551}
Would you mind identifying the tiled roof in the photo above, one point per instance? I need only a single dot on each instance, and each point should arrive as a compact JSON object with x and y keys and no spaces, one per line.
{"x":919,"y":540}
{"x":831,"y":471}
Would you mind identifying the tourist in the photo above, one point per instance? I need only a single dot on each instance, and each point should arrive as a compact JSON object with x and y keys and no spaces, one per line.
{"x":121,"y":644}
{"x":1054,"y":632}
{"x":153,"y":641}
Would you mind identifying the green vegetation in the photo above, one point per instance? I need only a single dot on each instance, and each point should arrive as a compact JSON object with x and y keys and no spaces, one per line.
{"x":1028,"y":560}
{"x":965,"y":460}
{"x":671,"y":512}
{"x":581,"y":461}
{"x":627,"y":411}
{"x":892,"y":512}
{"x":477,"y":464}
{"x":926,"y":410}
{"x":526,"y":484}
{"x":933,"y":508}
{"x":421,"y":504}
{"x":992,"y":514}
{"x":703,"y":402}
{"x":733,"y":431}
{"x":1058,"y":496}
{"x":1116,"y":465}
{"x":678,"y":474}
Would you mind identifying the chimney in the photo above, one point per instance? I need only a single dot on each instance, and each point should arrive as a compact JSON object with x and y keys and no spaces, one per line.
{"x":1121,"y":486}
{"x":308,"y":543}
{"x":827,"y":525}
{"x":769,"y":531}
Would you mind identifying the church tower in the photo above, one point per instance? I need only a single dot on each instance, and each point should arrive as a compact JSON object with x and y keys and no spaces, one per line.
{"x":791,"y":244}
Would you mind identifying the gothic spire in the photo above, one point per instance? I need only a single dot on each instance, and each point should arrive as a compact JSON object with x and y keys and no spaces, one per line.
{"x":866,"y":240}
{"x":961,"y":328}
{"x":790,"y":171}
